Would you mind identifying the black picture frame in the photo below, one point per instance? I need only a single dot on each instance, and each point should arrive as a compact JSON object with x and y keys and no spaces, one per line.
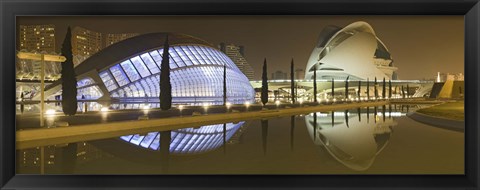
{"x":9,"y":9}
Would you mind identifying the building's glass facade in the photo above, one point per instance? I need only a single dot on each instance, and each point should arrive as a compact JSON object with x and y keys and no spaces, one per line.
{"x":88,"y":90}
{"x":189,"y":140}
{"x":196,"y":76}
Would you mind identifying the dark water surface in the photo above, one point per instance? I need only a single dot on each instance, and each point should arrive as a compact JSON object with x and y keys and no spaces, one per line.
{"x":384,"y":141}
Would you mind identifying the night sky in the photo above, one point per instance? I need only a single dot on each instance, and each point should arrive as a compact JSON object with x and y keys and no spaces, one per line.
{"x":419,"y":45}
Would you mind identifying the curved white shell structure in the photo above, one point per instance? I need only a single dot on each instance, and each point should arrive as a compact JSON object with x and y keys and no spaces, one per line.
{"x":353,"y":51}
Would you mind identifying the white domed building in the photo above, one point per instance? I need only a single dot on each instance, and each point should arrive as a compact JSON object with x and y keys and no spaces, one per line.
{"x":353,"y":51}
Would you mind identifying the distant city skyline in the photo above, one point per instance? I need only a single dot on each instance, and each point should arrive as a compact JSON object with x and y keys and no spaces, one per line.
{"x":420,"y":46}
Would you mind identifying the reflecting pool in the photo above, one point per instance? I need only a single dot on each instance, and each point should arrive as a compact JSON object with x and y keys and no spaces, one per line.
{"x":374,"y":140}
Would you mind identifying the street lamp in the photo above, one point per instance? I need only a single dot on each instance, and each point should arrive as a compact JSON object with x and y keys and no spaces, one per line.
{"x":277,"y":103}
{"x":41,"y":57}
{"x":180,"y":107}
{"x":146,"y":108}
{"x":228,"y":104}
{"x":50,"y":112}
{"x":205,"y":105}
{"x":247,"y":103}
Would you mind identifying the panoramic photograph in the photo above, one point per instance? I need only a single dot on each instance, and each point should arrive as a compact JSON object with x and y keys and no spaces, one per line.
{"x":240,"y":95}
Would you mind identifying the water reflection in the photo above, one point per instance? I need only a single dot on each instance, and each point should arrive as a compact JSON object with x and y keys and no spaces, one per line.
{"x":264,"y":135}
{"x":187,"y":140}
{"x":292,"y":130}
{"x":353,"y":142}
{"x":165,"y":143}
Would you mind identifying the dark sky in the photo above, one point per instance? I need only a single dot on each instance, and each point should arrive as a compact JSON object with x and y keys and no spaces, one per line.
{"x":419,"y":45}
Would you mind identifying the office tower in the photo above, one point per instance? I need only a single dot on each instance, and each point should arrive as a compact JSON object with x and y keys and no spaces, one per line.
{"x":114,"y":38}
{"x":37,"y":38}
{"x":85,"y":43}
{"x":237,"y":54}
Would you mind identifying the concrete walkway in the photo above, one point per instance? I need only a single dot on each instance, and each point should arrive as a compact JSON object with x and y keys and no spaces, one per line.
{"x":415,"y":101}
{"x":61,"y":135}
{"x":449,"y":124}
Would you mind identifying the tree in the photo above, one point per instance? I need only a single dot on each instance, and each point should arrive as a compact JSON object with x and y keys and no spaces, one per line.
{"x":22,"y":106}
{"x":346,"y":88}
{"x":359,"y":88}
{"x":375,"y":88}
{"x":368,"y":89}
{"x":315,"y":84}
{"x":292,"y":82}
{"x":264,"y":95}
{"x":333,"y":86}
{"x":264,"y":135}
{"x":69,"y":81}
{"x":165,"y":85}
{"x":224,"y":85}
{"x":389,"y":88}
{"x":383,"y":89}
{"x":408,"y":93}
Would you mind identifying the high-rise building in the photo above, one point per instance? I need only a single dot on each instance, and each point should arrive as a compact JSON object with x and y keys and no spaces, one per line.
{"x":37,"y":38}
{"x":299,"y":74}
{"x":114,"y":38}
{"x":85,"y":43}
{"x":279,"y":75}
{"x":237,"y":54}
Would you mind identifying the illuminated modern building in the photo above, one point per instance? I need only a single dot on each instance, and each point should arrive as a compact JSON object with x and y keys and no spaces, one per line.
{"x":85,"y":43}
{"x":128,"y":71}
{"x":354,"y":51}
{"x":237,"y":54}
{"x":37,"y":38}
{"x":27,"y":69}
{"x":114,"y":38}
{"x":188,"y":140}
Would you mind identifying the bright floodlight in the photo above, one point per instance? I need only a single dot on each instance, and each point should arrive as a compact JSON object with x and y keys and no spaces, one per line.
{"x":300,"y":101}
{"x":146,"y":107}
{"x":277,"y":102}
{"x":247,"y":103}
{"x":104,"y":109}
{"x":228,"y":104}
{"x":180,"y":107}
{"x":50,"y":112}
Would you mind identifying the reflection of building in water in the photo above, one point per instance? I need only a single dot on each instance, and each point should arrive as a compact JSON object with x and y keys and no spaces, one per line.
{"x":353,"y":141}
{"x":56,"y":157}
{"x":187,"y":140}
{"x":237,"y":136}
